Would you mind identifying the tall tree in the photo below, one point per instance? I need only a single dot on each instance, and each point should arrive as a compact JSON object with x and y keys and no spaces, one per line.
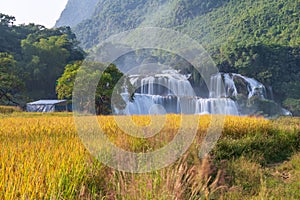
{"x":45,"y":59}
{"x":10,"y":85}
{"x":110,"y":83}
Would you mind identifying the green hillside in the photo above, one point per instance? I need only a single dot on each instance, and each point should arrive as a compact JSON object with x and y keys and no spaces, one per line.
{"x":212,"y":22}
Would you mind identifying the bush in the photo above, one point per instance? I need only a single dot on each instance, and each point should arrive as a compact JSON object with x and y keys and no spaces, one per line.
{"x":293,"y":105}
{"x":9,"y":109}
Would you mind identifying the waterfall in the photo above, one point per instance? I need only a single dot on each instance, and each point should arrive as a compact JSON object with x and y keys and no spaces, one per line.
{"x":253,"y":87}
{"x":172,"y":92}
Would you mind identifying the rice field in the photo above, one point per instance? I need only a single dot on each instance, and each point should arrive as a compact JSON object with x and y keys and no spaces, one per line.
{"x":42,"y":157}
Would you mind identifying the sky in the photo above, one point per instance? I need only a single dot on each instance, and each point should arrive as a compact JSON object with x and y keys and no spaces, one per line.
{"x":43,"y":12}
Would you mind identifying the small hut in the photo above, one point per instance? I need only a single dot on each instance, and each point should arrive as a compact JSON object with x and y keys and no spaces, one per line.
{"x":47,"y":106}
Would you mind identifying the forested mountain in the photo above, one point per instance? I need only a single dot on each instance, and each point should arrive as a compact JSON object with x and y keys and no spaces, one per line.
{"x":257,"y":38}
{"x":212,"y":22}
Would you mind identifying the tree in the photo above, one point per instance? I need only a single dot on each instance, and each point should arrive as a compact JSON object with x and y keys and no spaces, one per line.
{"x":45,"y":60}
{"x":10,"y":85}
{"x":8,"y":38}
{"x":108,"y":84}
{"x":33,"y":58}
{"x":6,"y":20}
{"x":65,"y":84}
{"x":273,"y":65}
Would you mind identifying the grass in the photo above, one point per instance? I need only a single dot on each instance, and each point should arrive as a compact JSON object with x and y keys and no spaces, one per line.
{"x":19,"y":114}
{"x":42,"y":157}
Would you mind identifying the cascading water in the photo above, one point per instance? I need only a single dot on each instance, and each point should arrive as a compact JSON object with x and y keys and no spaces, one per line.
{"x":174,"y":94}
{"x":230,"y":89}
{"x":171,"y":92}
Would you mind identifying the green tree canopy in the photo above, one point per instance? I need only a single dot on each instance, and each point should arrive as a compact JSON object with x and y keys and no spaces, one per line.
{"x":37,"y":56}
{"x":45,"y":60}
{"x":109,"y":82}
{"x":10,"y":85}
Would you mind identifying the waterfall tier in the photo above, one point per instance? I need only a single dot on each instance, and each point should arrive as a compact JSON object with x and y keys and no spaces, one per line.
{"x":144,"y":104}
{"x":170,"y":82}
{"x":224,"y":85}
